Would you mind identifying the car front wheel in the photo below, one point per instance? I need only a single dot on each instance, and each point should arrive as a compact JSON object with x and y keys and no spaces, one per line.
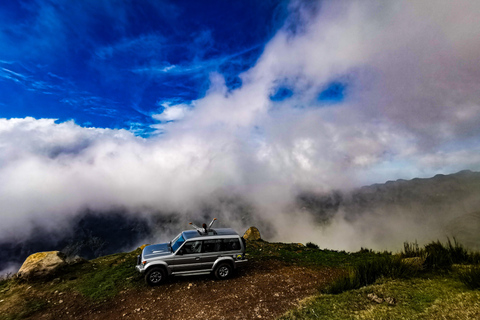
{"x":155,"y":276}
{"x":223,"y":271}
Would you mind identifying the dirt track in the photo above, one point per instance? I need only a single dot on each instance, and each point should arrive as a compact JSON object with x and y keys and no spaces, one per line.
{"x":261,"y":290}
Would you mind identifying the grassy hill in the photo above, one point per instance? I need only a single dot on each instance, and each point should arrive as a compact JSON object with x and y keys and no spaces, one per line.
{"x":290,"y":281}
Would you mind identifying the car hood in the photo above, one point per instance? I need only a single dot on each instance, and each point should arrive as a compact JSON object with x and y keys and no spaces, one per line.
{"x":155,"y":250}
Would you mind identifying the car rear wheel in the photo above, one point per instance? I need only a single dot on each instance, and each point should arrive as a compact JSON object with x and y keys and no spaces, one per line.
{"x":223,"y":271}
{"x":155,"y":276}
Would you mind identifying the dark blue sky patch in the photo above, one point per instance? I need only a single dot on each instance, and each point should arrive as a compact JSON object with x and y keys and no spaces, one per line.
{"x":281,"y":94}
{"x":109,"y":63}
{"x":334,"y":92}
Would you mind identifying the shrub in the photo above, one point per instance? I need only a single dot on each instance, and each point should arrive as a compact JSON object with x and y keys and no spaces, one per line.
{"x":471,"y":277}
{"x":368,"y":272}
{"x":411,"y":249}
{"x":311,"y":245}
{"x":474,"y":258}
{"x":344,"y":283}
{"x":437,"y":257}
{"x":458,"y":254}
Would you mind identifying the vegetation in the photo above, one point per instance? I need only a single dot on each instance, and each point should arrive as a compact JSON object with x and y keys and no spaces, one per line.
{"x":367,"y":272}
{"x":311,"y":245}
{"x":471,"y":277}
{"x":298,"y":254}
{"x":95,"y":280}
{"x":440,"y":296}
{"x":397,"y":287}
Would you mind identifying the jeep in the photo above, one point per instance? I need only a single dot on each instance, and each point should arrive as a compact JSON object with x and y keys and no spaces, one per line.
{"x":193,"y":252}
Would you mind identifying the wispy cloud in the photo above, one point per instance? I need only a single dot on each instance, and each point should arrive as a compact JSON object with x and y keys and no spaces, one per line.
{"x":66,"y":91}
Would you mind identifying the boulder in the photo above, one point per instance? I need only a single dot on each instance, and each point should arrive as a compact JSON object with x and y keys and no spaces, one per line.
{"x":143,"y":246}
{"x":41,"y":264}
{"x":252,"y":234}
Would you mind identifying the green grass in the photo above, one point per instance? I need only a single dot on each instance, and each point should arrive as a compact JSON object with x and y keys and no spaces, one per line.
{"x":439,"y":256}
{"x":439,"y":289}
{"x":299,"y":254}
{"x":29,"y":308}
{"x":471,"y":277}
{"x":104,"y":277}
{"x":437,"y":297}
{"x":367,"y":272}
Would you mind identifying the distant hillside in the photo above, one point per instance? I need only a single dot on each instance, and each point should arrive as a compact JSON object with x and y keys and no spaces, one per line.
{"x":441,"y":206}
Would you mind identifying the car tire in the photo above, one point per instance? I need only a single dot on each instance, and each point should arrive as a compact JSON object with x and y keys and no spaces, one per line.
{"x":155,"y":276}
{"x":223,"y":271}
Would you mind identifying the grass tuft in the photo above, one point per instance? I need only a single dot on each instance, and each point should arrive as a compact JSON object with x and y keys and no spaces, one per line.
{"x":471,"y":277}
{"x":311,"y":245}
{"x":366,"y":273}
{"x":411,"y":249}
{"x":437,"y":257}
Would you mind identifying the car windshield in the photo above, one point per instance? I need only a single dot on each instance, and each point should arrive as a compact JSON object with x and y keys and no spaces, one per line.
{"x":177,"y":242}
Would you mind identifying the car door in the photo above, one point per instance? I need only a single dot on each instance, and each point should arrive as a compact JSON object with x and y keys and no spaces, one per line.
{"x":188,"y":257}
{"x":211,"y":252}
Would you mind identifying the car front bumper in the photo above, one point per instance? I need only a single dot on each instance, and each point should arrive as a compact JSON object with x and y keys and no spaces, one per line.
{"x":140,"y":268}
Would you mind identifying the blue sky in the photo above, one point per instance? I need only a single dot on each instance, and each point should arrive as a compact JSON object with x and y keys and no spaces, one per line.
{"x":111,"y":64}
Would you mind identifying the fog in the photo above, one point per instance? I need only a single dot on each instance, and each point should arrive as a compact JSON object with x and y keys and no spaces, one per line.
{"x":411,"y":108}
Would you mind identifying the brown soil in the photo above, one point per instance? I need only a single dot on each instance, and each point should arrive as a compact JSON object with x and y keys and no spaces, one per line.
{"x":261,"y":290}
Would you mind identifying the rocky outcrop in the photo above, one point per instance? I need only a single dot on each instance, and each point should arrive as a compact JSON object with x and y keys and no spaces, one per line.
{"x":252,"y":234}
{"x":41,"y":264}
{"x":143,"y":246}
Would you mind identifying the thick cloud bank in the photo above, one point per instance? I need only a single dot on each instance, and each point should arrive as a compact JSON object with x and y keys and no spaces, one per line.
{"x":405,"y":103}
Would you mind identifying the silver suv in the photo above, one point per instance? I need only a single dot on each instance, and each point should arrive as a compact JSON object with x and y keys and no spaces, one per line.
{"x":201,"y":251}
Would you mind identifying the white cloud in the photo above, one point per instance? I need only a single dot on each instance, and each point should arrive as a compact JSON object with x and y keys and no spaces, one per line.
{"x":172,"y":112}
{"x":411,"y":71}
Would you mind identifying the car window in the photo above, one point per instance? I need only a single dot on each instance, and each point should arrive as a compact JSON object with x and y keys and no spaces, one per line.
{"x":177,"y":242}
{"x":212,"y":245}
{"x":192,"y":247}
{"x":231,"y":244}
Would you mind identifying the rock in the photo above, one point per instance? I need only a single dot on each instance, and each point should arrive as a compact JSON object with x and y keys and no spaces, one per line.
{"x":375,"y":298}
{"x":143,"y":246}
{"x":41,"y":264}
{"x":75,"y":260}
{"x":252,"y":234}
{"x":390,"y":300}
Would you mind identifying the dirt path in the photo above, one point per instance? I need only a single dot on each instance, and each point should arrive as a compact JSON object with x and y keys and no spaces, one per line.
{"x":263,"y":291}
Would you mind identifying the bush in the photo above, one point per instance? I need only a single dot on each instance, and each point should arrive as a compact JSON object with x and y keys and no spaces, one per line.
{"x":368,"y":272}
{"x":458,"y":254}
{"x":474,"y":258}
{"x":471,"y":277}
{"x":441,"y":257}
{"x":437,"y":257}
{"x":411,"y":249}
{"x":311,"y":245}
